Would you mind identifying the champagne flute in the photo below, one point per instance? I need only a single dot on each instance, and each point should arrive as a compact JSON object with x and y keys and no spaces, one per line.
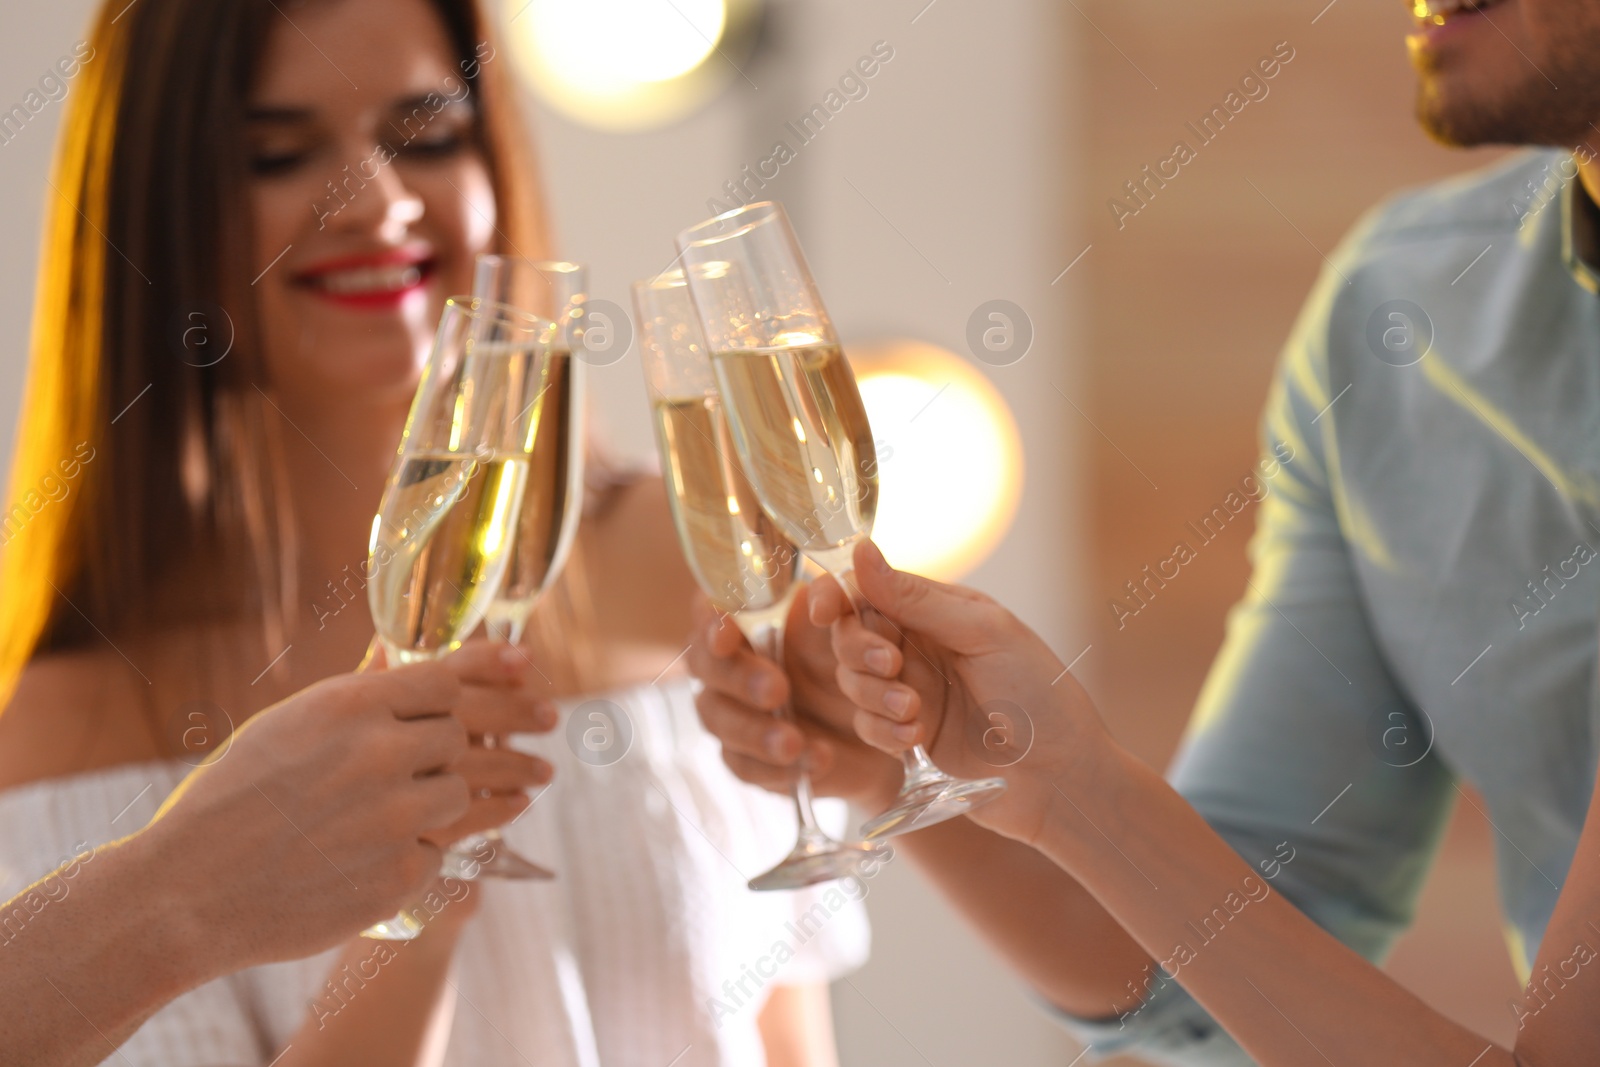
{"x":552,"y":500}
{"x":442,"y":538}
{"x":801,"y":432}
{"x":738,"y":556}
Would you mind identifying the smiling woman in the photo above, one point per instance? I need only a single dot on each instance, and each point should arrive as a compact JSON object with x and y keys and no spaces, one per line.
{"x":393,"y":132}
{"x":213,"y":169}
{"x":322,"y":174}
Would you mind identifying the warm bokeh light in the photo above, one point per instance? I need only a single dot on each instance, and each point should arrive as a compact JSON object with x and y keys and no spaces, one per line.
{"x":625,"y":65}
{"x":949,"y":455}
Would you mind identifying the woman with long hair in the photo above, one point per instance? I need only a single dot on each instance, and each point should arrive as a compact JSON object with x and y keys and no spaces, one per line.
{"x":257,"y":210}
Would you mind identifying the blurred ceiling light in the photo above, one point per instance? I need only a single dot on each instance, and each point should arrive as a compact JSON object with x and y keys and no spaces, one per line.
{"x":625,"y":65}
{"x":949,"y":457}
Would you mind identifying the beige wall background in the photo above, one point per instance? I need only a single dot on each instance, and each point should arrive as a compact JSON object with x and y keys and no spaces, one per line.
{"x":979,"y":167}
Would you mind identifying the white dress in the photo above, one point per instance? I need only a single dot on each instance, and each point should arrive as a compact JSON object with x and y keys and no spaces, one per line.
{"x":647,"y":950}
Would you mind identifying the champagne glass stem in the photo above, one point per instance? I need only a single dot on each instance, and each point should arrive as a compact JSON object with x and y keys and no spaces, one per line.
{"x":507,"y":627}
{"x":809,"y":829}
{"x":816,"y":857}
{"x":919,"y":767}
{"x":767,"y":639}
{"x":501,"y":861}
{"x":928,"y":795}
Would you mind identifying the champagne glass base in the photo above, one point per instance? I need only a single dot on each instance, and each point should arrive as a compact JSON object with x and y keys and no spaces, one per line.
{"x":930,"y":803}
{"x":809,"y":864}
{"x":514,"y":868}
{"x":487,"y":855}
{"x":474,"y":856}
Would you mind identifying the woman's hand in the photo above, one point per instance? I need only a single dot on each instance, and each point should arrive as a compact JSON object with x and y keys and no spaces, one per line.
{"x":963,"y":676}
{"x":743,"y":689}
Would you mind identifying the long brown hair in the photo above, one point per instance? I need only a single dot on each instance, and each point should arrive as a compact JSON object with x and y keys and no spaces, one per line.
{"x":165,"y":461}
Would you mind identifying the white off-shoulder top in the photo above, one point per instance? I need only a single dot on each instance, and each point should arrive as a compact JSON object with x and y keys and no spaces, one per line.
{"x":647,"y":949}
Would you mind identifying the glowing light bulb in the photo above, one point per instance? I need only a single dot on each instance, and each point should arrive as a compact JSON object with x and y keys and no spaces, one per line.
{"x":624,"y":64}
{"x":950,"y":460}
{"x":600,"y":43}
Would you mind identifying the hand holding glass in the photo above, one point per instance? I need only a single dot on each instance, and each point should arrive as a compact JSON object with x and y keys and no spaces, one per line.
{"x":738,"y":556}
{"x":443,"y":534}
{"x":801,"y":432}
{"x":552,"y":499}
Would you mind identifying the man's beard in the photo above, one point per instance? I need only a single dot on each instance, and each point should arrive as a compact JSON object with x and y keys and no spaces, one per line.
{"x":1530,"y":116}
{"x":1527,"y":111}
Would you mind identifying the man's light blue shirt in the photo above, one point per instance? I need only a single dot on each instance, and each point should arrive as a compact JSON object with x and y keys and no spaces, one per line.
{"x":1422,"y":614}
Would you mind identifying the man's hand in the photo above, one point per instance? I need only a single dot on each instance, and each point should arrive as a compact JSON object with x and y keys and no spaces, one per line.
{"x":743,"y":690}
{"x":498,"y":697}
{"x":327,"y":811}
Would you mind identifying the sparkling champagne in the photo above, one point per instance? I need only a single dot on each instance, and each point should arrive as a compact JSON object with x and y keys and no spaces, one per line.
{"x":440,"y":545}
{"x":741,"y":560}
{"x":551,"y":501}
{"x":802,"y":434}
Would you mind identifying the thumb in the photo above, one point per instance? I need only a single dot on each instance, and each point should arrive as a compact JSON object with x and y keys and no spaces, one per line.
{"x":826,"y":603}
{"x":954,"y":616}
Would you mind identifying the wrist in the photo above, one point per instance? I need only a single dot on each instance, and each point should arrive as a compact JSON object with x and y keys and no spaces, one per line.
{"x":134,"y":916}
{"x":1087,"y":795}
{"x":188,"y":930}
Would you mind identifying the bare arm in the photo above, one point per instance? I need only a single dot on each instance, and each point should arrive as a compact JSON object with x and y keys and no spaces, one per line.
{"x":797,"y":1027}
{"x":388,"y":1002}
{"x":375,"y":767}
{"x":1035,"y":915}
{"x":59,"y":1007}
{"x":1288,"y":991}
